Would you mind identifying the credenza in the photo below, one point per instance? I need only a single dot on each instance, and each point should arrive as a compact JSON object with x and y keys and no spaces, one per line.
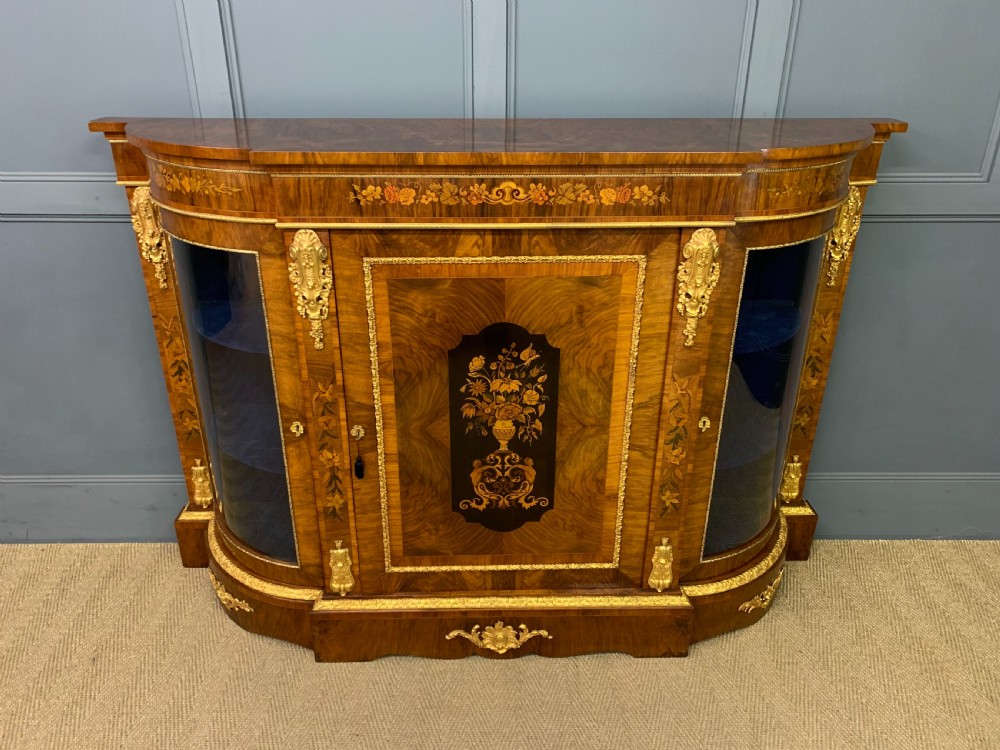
{"x":444,"y":387}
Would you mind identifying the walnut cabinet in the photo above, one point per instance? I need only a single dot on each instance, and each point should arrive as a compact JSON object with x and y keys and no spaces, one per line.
{"x":444,"y":387}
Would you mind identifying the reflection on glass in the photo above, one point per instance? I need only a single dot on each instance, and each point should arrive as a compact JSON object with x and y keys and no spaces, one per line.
{"x":770,"y":337}
{"x":232,"y":370}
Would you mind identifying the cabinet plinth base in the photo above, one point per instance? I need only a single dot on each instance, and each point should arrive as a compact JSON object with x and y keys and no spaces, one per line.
{"x":639,"y":625}
{"x":501,"y":624}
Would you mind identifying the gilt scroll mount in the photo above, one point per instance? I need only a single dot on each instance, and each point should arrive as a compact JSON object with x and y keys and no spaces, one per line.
{"x":697,"y":277}
{"x":498,"y":637}
{"x":228,"y":601}
{"x":841,"y":237}
{"x":764,"y":599}
{"x":153,"y":241}
{"x":312,"y":278}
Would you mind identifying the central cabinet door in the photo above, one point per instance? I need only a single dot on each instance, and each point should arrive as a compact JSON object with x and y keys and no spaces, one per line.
{"x":508,"y":383}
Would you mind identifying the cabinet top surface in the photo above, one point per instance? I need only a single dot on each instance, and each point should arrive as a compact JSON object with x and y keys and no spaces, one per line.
{"x":331,"y":141}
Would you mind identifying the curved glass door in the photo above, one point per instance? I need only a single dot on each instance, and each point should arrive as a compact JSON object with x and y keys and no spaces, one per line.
{"x":778,"y":291}
{"x":227,"y":329}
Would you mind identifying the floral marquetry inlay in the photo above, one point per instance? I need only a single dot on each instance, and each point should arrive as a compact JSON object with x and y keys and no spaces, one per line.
{"x":678,"y":414}
{"x":324,"y":403}
{"x":822,"y":184}
{"x":814,"y":371}
{"x":507,"y":396}
{"x":509,"y":193}
{"x":191,"y":184}
{"x":179,"y":373}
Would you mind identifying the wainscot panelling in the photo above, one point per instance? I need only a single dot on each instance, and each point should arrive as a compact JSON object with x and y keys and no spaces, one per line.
{"x":65,"y":62}
{"x":913,"y":382}
{"x":632,"y":58}
{"x":314,"y":58}
{"x":907,"y":444}
{"x":907,"y":505}
{"x":934,"y":65}
{"x":81,"y":389}
{"x":89,"y":508}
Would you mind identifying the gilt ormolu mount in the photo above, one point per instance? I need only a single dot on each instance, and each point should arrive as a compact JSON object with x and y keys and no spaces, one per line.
{"x":525,"y":340}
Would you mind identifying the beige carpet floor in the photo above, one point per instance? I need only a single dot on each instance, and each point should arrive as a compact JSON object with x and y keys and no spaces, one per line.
{"x":868,"y":645}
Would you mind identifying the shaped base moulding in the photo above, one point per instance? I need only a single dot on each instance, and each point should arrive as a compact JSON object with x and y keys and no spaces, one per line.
{"x":504,"y":624}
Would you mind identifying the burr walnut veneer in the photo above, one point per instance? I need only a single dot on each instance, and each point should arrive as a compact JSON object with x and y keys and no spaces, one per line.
{"x":445,"y":387}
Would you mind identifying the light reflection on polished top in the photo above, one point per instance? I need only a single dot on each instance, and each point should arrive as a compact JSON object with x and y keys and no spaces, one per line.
{"x":499,"y":142}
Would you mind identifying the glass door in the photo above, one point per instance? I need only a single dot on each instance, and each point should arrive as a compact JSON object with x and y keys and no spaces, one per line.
{"x":233,"y":372}
{"x":778,"y":289}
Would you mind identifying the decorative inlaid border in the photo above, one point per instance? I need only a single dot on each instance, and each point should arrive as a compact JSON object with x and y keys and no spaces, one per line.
{"x":806,"y":168}
{"x":675,"y":442}
{"x":179,"y":372}
{"x":368,"y":263}
{"x":508,"y":193}
{"x":325,"y":411}
{"x":586,"y":601}
{"x":815,"y":366}
{"x":779,"y":217}
{"x":200,"y":168}
{"x":493,"y":175}
{"x":524,"y":223}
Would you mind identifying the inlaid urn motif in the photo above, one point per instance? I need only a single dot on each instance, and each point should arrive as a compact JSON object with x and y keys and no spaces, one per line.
{"x":504,"y":386}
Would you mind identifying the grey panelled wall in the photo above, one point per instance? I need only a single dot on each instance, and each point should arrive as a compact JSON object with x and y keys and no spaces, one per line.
{"x":906,"y":446}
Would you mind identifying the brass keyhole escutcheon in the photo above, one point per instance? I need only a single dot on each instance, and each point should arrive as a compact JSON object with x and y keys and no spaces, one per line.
{"x":358,"y":432}
{"x":704,"y":424}
{"x":297,"y":429}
